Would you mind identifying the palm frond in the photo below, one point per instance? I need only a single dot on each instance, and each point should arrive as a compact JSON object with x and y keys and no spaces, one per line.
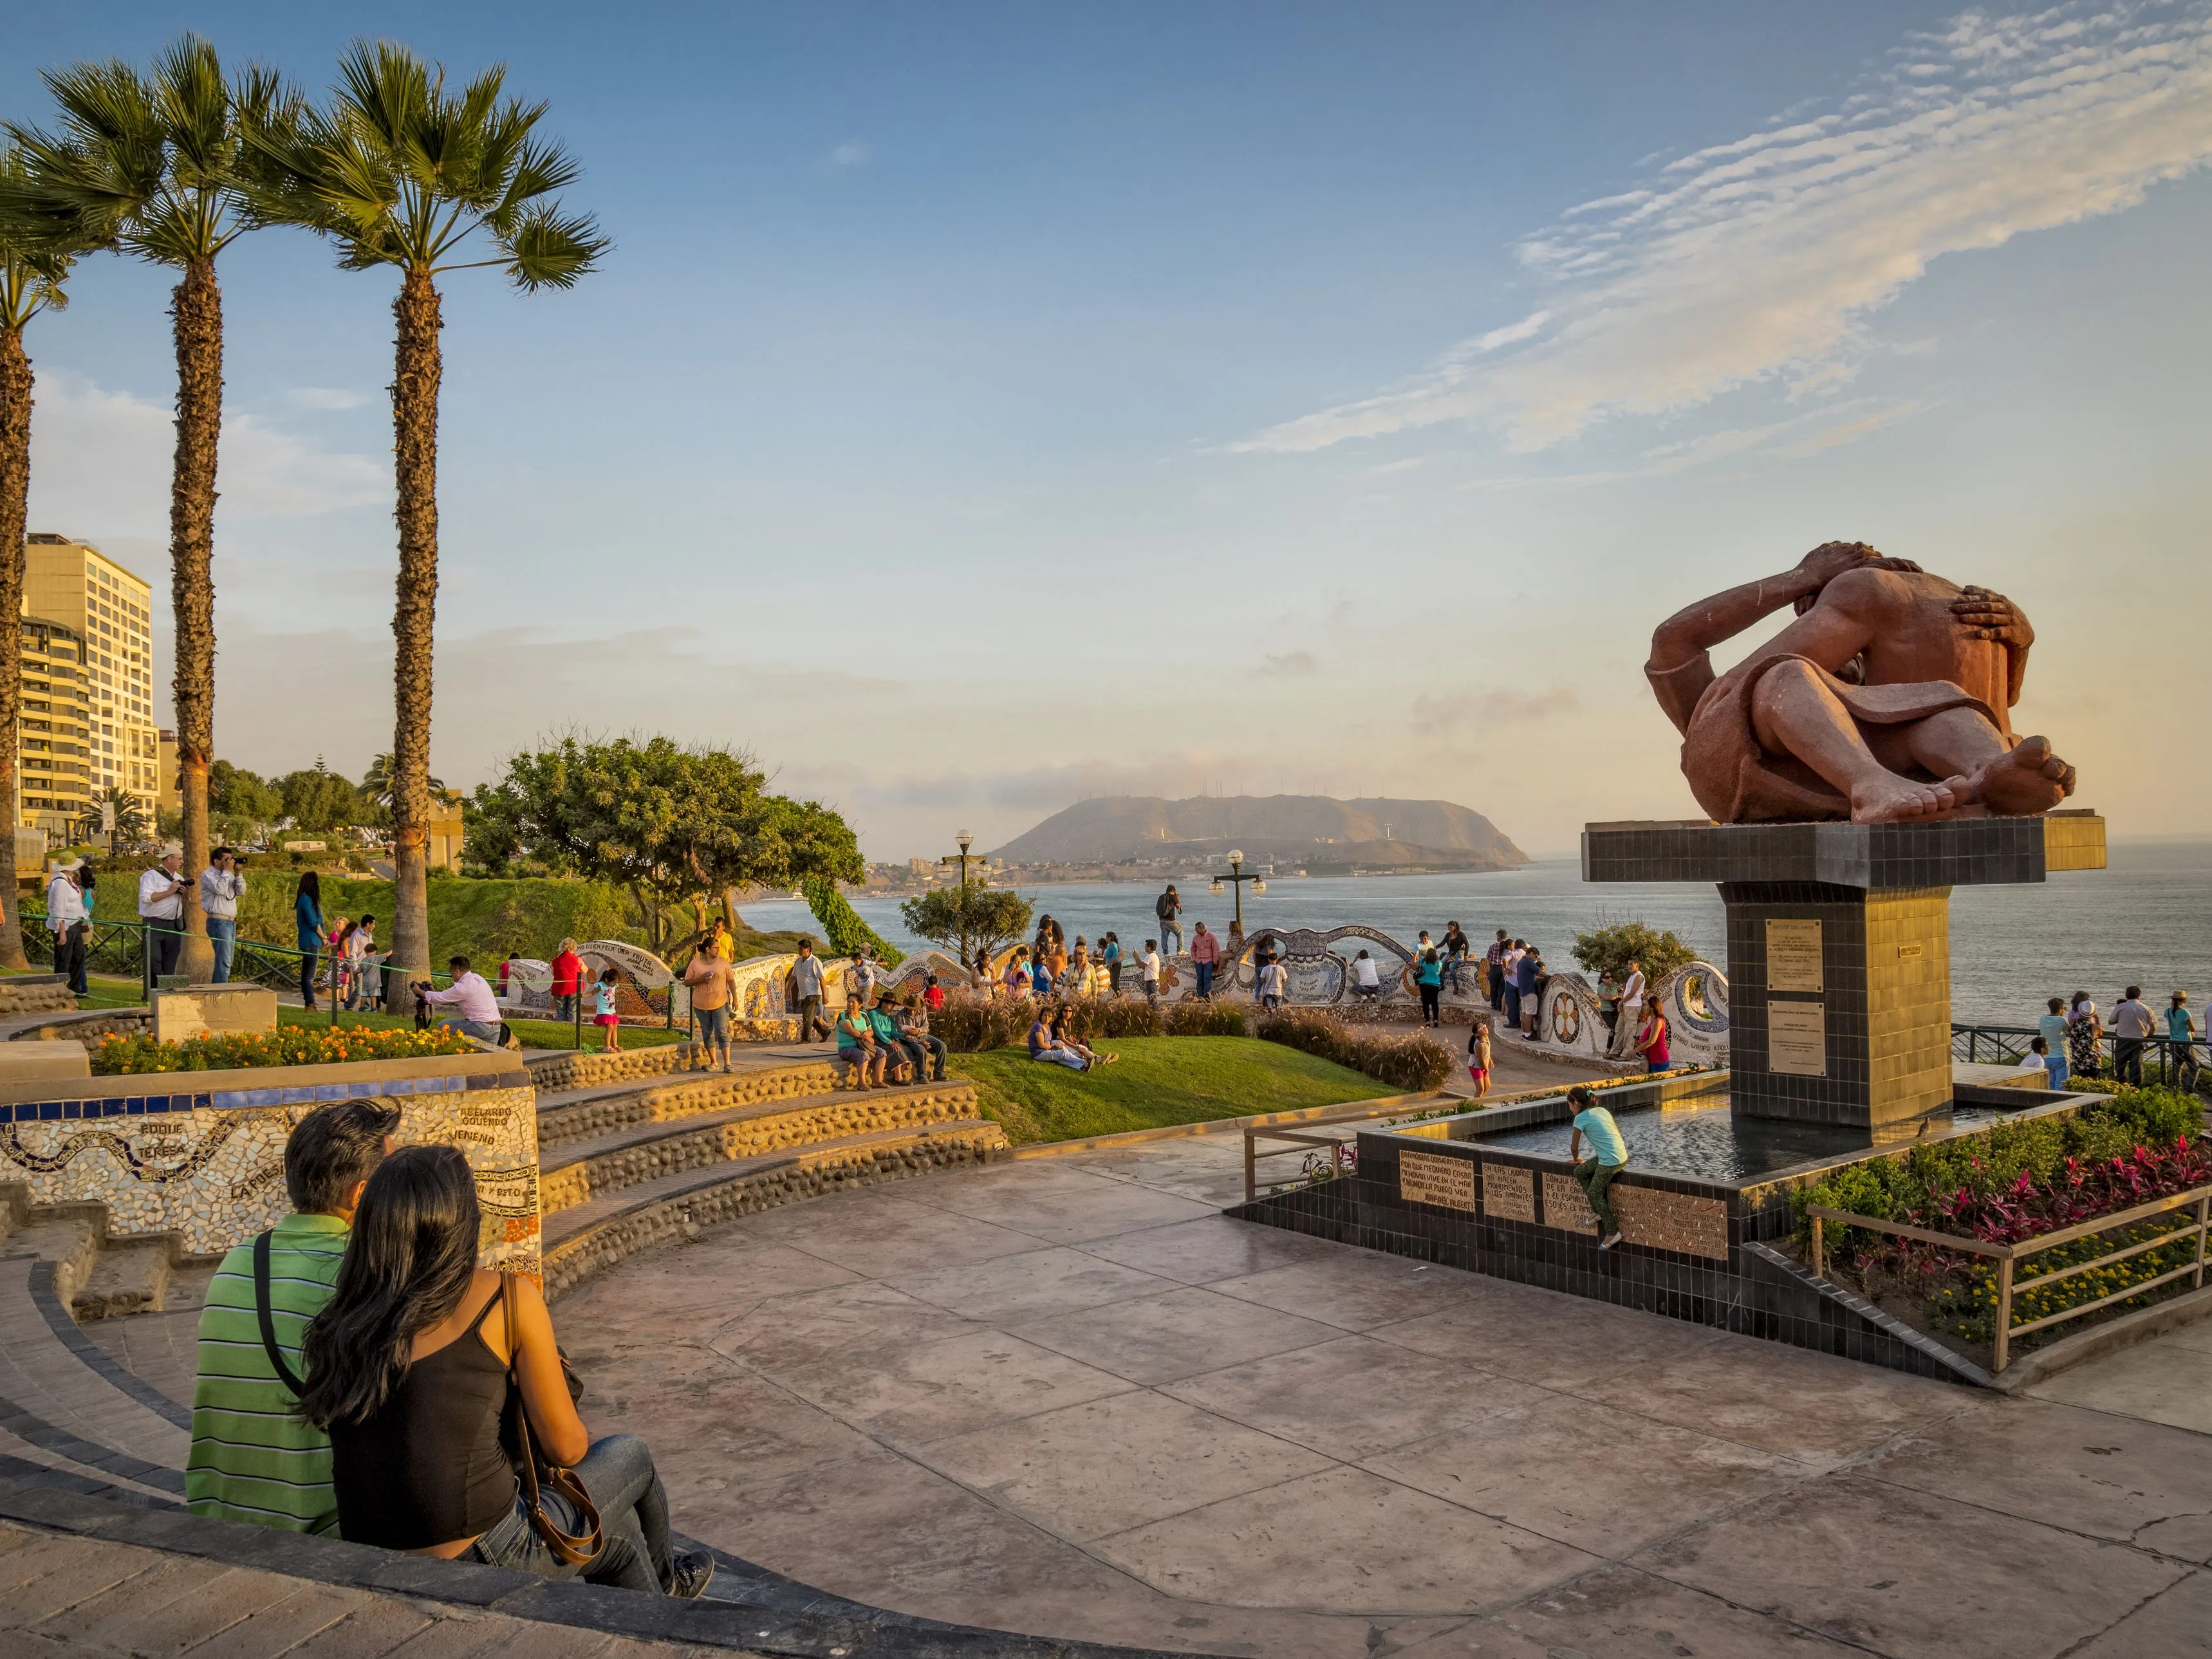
{"x":547,"y":249}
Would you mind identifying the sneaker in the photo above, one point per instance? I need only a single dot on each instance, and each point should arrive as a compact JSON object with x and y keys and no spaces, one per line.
{"x":1608,"y":1240}
{"x":694,"y":1569}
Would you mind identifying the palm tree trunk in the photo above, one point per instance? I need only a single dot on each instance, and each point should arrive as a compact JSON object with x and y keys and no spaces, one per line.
{"x":15,"y":489}
{"x":418,"y":365}
{"x":197,"y":310}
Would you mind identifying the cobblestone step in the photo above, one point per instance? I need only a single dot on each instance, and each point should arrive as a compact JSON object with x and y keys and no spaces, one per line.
{"x":588,"y":1237}
{"x":579,"y":1172}
{"x":567,"y":1118}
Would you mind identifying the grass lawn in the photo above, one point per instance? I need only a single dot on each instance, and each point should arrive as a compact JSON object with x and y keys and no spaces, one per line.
{"x":1157,"y":1081}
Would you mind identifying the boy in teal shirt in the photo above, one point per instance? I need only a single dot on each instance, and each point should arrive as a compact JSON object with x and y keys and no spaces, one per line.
{"x":1596,"y":1173}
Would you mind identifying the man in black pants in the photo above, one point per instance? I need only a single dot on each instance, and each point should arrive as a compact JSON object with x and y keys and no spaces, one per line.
{"x":1495,"y":956}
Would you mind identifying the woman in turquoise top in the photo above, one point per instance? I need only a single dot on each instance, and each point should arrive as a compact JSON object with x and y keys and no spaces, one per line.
{"x":307,"y":918}
{"x":1429,"y":975}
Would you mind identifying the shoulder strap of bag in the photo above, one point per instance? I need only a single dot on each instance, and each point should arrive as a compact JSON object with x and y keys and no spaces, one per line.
{"x":578,"y":1549}
{"x":268,"y":1321}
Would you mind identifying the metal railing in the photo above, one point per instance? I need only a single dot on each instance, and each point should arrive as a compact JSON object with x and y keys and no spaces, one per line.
{"x":2008,"y":1255}
{"x":2175,"y":1064}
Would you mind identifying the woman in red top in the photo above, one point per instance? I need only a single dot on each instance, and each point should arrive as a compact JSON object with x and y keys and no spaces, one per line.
{"x":567,"y":978}
{"x":1651,"y":1037}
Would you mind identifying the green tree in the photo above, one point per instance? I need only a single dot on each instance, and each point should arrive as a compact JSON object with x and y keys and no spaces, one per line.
{"x":399,"y":171}
{"x":319,"y":798}
{"x":35,"y":258}
{"x":238,"y":794}
{"x":842,"y":923}
{"x":131,"y":822}
{"x":376,"y":783}
{"x":1608,"y":950}
{"x":148,"y":165}
{"x":968,"y":918}
{"x":673,"y":825}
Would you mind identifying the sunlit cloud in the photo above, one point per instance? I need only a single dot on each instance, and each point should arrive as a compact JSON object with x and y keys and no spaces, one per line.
{"x":1765,"y":259}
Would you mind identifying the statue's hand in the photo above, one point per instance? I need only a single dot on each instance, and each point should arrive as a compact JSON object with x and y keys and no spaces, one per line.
{"x":1833,"y":559}
{"x":1990,"y":615}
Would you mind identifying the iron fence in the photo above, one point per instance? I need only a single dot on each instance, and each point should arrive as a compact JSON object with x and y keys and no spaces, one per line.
{"x":2170,"y":1064}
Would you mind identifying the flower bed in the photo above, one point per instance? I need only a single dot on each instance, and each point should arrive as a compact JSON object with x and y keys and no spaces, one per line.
{"x":288,"y":1045}
{"x":2011,"y":1184}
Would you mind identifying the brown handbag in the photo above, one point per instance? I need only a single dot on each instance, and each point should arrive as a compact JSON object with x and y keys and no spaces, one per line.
{"x":569,"y":1549}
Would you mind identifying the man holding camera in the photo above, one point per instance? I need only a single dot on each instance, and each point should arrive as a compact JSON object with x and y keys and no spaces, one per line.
{"x":222,"y":885}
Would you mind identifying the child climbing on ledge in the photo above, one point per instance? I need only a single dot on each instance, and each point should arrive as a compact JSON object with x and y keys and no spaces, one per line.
{"x":1596,"y":1173}
{"x":604,"y":1015}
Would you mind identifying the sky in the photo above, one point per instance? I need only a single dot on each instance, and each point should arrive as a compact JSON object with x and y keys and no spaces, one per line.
{"x":986,"y":406}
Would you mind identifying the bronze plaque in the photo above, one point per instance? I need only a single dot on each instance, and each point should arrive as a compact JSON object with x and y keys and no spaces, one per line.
{"x":1672,"y":1221}
{"x":1430,"y":1178}
{"x":1798,"y":1039}
{"x":1508,"y":1192}
{"x":1564,"y":1204}
{"x":1793,"y":956}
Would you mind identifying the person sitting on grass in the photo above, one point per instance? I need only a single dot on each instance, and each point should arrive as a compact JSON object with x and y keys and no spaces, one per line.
{"x":252,"y":1460}
{"x":1062,"y":1036}
{"x":476,"y":1010}
{"x":603,"y":1014}
{"x":1609,"y":1158}
{"x":1045,"y":1046}
{"x":413,"y":1365}
{"x":856,"y":1045}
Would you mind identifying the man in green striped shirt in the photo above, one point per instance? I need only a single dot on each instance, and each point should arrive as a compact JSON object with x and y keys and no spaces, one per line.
{"x":251,"y":1459}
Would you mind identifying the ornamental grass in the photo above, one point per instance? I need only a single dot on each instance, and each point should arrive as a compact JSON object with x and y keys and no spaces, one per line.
{"x":288,"y":1045}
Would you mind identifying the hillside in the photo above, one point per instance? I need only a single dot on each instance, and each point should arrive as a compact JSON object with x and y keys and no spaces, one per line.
{"x":1313,"y":829}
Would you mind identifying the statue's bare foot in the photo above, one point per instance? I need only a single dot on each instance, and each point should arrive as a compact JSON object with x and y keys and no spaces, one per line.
{"x":1889,"y":799}
{"x":2025,"y":780}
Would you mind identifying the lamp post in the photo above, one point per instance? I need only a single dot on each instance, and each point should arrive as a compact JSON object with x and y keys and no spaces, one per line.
{"x":1237,"y":879}
{"x":963,"y":857}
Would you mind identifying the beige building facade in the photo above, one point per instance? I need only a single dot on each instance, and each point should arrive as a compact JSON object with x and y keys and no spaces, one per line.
{"x":109,"y":611}
{"x":53,"y":769}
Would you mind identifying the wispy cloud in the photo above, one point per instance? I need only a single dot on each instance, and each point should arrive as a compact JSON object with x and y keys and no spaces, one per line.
{"x":1289,"y":664}
{"x":853,"y":153}
{"x":1763,"y":258}
{"x":1435,"y":716}
{"x":325,"y":398}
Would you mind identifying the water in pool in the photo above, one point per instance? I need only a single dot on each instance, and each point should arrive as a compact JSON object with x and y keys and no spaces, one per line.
{"x":1706,"y":1142}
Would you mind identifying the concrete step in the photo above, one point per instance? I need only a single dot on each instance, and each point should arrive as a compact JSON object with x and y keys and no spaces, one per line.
{"x":70,"y":1235}
{"x":577,"y":1173}
{"x":567,"y":1118}
{"x":129,"y":1276}
{"x":588,"y":1237}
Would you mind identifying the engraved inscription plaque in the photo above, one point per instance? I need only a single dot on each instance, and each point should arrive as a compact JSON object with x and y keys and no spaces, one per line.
{"x":1564,"y":1204}
{"x":1793,"y":956}
{"x":1429,"y":1178}
{"x":1798,"y":1039}
{"x":1672,"y":1221}
{"x":1508,"y":1192}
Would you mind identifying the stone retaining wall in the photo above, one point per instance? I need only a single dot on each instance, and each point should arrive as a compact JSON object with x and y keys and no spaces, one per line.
{"x":565,"y":1187}
{"x":588,"y":1071}
{"x":34,"y":994}
{"x":574,"y":1260}
{"x":561,"y":1125}
{"x":88,"y":1028}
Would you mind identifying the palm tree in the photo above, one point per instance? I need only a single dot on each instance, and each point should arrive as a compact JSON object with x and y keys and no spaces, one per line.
{"x":130,"y":824}
{"x":377,"y":782}
{"x":35,"y":266}
{"x":148,"y":165}
{"x":400,"y":171}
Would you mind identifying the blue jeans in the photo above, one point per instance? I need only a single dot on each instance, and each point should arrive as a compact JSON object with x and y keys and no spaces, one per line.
{"x":633,"y":1507}
{"x":485,"y":1031}
{"x":309,"y":955}
{"x":1170,"y":929}
{"x":1066,"y":1057}
{"x":2055,"y":1065}
{"x":1204,"y":972}
{"x":223,"y":933}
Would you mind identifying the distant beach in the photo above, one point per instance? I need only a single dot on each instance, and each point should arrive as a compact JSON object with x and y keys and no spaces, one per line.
{"x":2147,"y":921}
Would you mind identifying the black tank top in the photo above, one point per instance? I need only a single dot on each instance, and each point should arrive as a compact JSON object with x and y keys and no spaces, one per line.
{"x":427,"y":1468}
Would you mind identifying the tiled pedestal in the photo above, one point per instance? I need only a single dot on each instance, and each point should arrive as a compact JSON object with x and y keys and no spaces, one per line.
{"x":1839,"y":947}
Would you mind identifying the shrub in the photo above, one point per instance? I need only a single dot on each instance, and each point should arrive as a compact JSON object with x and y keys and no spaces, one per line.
{"x":1607,"y":951}
{"x":1409,"y":1063}
{"x":1201,"y":1017}
{"x":841,"y":923}
{"x":287,"y":1045}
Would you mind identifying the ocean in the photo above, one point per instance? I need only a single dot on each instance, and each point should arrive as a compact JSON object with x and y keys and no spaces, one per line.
{"x":2147,"y":921}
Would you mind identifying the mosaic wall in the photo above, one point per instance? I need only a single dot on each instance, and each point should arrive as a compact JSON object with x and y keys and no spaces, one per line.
{"x":213,"y":1171}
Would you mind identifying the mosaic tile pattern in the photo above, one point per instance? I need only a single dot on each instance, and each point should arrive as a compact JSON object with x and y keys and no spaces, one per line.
{"x":213,"y":1172}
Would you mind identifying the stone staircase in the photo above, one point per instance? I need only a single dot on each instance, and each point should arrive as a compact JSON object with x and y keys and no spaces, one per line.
{"x":96,"y":1275}
{"x":635,"y":1161}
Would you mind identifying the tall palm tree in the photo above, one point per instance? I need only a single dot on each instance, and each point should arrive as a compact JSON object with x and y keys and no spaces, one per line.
{"x":34,"y":267}
{"x":148,"y":165}
{"x":130,"y":823}
{"x":400,"y":171}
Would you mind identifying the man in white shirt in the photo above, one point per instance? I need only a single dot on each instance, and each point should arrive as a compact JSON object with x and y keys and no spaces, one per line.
{"x":66,"y":919}
{"x":222,"y":885}
{"x":1628,"y":1012}
{"x":2131,"y":1028}
{"x":162,"y":908}
{"x":2037,"y":1059}
{"x":471,"y":1000}
{"x":1151,"y":962}
{"x":1366,"y":983}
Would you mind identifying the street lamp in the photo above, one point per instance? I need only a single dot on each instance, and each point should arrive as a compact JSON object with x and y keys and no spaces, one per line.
{"x":1237,"y":879}
{"x":962,"y":858}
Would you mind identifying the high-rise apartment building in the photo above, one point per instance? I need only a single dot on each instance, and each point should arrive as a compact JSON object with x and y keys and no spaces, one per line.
{"x":110,"y":612}
{"x":53,"y":768}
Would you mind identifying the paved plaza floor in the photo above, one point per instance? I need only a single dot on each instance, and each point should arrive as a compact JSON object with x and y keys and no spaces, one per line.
{"x":1066,"y":1397}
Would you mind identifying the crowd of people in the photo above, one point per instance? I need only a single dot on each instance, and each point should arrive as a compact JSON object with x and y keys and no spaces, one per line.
{"x":359,"y":1375}
{"x":2070,"y":1035}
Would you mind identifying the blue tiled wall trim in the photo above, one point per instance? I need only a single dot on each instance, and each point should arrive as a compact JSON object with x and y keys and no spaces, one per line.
{"x":311,"y":1094}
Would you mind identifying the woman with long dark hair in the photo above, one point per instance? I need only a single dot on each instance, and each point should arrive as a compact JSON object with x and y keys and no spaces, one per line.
{"x":307,"y":922}
{"x":411,"y":1368}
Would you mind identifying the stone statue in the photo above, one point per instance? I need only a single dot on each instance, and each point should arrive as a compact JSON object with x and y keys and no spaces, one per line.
{"x":1886,"y":700}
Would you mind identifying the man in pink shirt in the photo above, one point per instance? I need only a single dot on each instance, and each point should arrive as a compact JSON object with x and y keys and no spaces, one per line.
{"x":1205,"y":953}
{"x":471,"y":999}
